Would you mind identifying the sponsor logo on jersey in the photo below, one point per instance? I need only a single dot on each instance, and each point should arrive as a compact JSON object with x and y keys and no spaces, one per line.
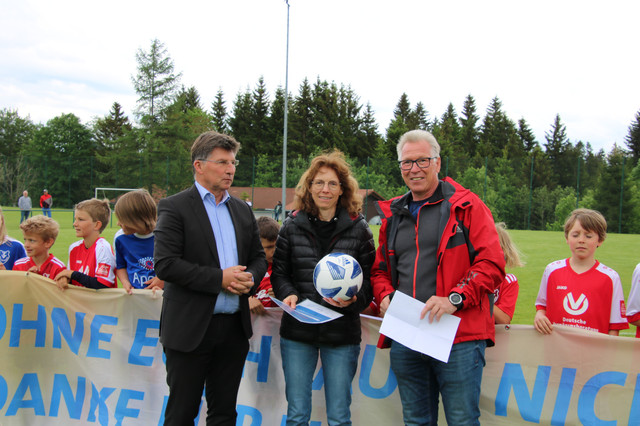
{"x":573,"y":306}
{"x":4,"y":255}
{"x":146,"y":263}
{"x":103,"y":269}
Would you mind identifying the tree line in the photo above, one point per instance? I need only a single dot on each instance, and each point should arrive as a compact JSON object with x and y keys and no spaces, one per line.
{"x":529,"y":184}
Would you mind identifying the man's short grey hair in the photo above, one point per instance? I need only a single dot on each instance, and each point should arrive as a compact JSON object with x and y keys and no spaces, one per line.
{"x":418,"y":136}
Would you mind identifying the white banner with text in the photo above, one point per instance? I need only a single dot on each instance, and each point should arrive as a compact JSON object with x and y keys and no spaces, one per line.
{"x":84,"y":356}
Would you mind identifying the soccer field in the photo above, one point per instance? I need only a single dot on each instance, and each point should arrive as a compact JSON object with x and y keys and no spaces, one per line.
{"x":538,"y":247}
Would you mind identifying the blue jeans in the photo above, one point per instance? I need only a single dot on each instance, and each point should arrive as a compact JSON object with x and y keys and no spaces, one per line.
{"x":24,"y":215}
{"x":299,"y":362}
{"x":421,"y":379}
{"x":46,"y":211}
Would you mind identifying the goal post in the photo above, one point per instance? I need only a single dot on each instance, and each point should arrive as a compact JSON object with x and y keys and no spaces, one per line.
{"x":112,"y":189}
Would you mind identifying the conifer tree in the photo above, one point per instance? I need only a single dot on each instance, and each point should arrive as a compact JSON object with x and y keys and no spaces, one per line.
{"x":632,"y":140}
{"x":219,"y":113}
{"x":155,"y":82}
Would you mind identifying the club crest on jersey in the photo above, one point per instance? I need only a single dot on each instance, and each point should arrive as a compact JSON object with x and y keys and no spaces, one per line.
{"x":146,"y":263}
{"x":103,"y":270}
{"x":4,"y":255}
{"x":575,"y":307}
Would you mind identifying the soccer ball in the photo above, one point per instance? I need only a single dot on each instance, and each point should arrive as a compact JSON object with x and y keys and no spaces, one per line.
{"x":337,"y":276}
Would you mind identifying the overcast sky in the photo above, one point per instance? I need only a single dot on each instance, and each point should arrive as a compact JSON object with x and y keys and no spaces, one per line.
{"x":578,"y":59}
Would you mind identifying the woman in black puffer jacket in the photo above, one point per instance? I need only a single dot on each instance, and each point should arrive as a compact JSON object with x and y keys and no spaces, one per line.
{"x":326,"y":220}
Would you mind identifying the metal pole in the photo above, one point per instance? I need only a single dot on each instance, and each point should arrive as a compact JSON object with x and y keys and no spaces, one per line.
{"x":286,"y":120}
{"x":621,"y":196}
{"x":530,"y":195}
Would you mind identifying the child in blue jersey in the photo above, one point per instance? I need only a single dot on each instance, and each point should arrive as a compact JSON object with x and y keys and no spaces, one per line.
{"x":10,"y":249}
{"x":137,"y":215}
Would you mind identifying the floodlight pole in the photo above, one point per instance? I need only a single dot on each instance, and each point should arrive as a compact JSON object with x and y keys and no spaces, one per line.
{"x":286,"y":120}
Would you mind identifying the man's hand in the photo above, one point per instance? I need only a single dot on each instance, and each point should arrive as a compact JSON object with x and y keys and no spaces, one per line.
{"x":154,"y":284}
{"x":236,"y":281}
{"x":437,"y":307}
{"x":541,"y":323}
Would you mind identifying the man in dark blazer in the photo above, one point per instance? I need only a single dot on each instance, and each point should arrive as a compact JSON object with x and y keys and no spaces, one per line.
{"x":208,"y":252}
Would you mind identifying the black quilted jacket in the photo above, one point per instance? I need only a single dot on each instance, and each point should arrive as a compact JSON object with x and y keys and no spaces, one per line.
{"x":297,"y":253}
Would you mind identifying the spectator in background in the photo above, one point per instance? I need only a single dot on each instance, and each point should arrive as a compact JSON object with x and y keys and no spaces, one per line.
{"x":24,"y":204}
{"x":46,"y":202}
{"x":277,"y":210}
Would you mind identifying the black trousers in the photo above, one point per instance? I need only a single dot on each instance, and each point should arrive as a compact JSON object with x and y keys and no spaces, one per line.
{"x":215,"y":365}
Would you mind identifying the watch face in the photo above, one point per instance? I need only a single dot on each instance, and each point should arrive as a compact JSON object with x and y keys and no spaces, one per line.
{"x":455,"y":299}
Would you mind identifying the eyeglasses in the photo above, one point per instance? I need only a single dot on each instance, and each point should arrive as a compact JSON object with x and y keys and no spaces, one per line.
{"x":224,"y":163}
{"x":423,"y":163}
{"x":319,"y":185}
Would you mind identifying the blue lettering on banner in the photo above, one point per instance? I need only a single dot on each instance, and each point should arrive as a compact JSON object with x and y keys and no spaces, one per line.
{"x":141,"y":340}
{"x":565,"y":389}
{"x":29,"y":383}
{"x":3,"y":321}
{"x":18,"y":324}
{"x":98,"y":401}
{"x":62,"y":387}
{"x":530,"y":407}
{"x":4,"y":392}
{"x":262,"y":358}
{"x":122,"y":409}
{"x":364,"y":382}
{"x":252,"y":413}
{"x":61,"y":326}
{"x":634,"y":413}
{"x":587,"y":400}
{"x":97,"y":337}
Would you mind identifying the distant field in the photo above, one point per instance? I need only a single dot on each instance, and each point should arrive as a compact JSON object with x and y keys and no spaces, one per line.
{"x":619,"y":252}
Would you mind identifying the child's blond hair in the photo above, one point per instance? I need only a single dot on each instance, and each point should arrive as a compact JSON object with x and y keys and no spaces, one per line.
{"x":590,"y":220}
{"x":99,"y":210}
{"x":137,"y":210}
{"x":42,"y":226}
{"x":511,"y":252}
{"x":3,"y":228}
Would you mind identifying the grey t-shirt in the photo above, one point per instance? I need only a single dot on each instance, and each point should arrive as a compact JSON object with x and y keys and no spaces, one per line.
{"x":24,"y":203}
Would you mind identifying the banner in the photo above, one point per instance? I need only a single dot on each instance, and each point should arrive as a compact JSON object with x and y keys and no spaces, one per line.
{"x":85,"y":356}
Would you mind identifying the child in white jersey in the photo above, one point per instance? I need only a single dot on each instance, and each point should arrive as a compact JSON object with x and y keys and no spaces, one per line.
{"x":92,"y":263}
{"x":137,"y":215}
{"x":580,"y":291}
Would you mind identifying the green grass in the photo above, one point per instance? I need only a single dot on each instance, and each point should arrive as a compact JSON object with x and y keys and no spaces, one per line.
{"x":538,"y":247}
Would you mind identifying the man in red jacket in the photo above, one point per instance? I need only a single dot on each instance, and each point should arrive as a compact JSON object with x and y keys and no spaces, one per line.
{"x":438,"y":244}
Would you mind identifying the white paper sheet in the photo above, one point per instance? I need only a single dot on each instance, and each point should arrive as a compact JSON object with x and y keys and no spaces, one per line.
{"x":402,"y":323}
{"x":309,"y":312}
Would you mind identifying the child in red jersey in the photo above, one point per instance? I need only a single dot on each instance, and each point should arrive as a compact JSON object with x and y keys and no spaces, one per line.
{"x":92,"y":263}
{"x":506,"y":294}
{"x":268,"y":229}
{"x":40,"y":233}
{"x":580,"y":291}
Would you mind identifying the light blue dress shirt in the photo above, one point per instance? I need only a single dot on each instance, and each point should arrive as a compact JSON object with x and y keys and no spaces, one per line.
{"x":224,"y":232}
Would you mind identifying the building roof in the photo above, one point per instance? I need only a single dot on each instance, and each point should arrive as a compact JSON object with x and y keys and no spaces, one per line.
{"x":266,"y":198}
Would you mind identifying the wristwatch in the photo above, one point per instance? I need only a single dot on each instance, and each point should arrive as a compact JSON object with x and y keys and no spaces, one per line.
{"x":456,"y":299}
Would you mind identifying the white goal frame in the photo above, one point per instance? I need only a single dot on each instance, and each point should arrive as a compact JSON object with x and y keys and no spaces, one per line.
{"x":112,"y":189}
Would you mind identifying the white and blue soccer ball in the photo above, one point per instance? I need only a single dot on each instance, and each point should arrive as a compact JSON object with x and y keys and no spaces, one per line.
{"x":337,"y":276}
